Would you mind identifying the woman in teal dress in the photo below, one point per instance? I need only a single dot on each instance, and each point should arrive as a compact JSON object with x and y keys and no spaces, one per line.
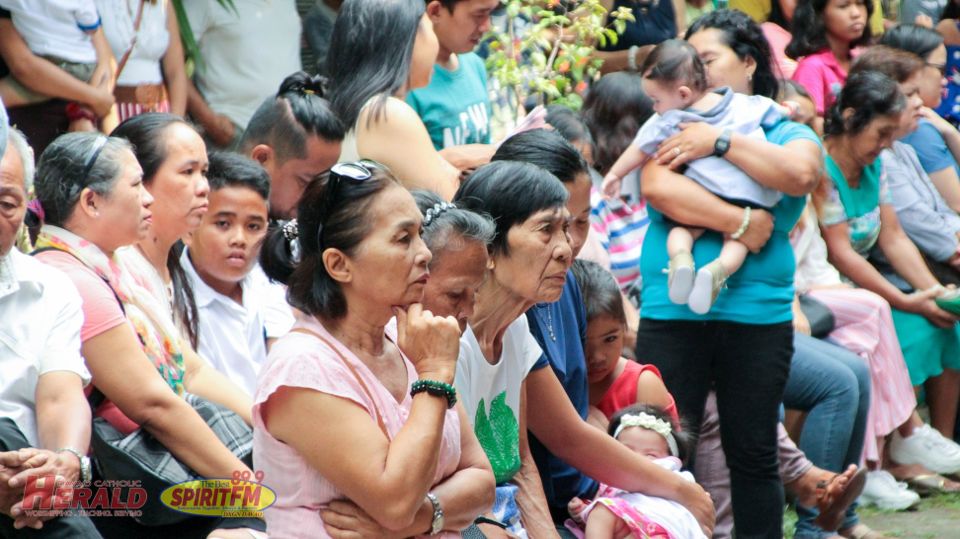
{"x":859,"y":223}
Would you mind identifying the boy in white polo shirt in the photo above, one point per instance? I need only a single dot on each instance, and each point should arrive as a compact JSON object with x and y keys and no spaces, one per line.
{"x":233,"y":295}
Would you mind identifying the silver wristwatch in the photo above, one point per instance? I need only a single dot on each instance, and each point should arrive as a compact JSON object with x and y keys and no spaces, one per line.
{"x":437,"y":525}
{"x":86,"y":471}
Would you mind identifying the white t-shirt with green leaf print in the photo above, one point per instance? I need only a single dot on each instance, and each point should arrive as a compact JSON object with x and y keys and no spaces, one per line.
{"x":490,"y":393}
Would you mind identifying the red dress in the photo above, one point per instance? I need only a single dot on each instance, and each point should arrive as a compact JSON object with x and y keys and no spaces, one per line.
{"x":623,"y":391}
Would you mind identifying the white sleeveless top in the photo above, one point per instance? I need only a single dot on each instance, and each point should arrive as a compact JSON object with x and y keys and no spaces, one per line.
{"x":143,"y":66}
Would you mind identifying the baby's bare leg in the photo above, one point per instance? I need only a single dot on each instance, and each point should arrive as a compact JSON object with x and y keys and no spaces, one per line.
{"x":680,"y":240}
{"x":732,"y":256}
{"x":603,"y":524}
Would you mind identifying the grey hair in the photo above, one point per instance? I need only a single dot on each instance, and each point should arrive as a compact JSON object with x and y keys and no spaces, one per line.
{"x":60,"y":172}
{"x":450,"y":223}
{"x":18,"y":142}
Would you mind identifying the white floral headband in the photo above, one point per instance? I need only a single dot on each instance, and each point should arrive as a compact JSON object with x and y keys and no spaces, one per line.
{"x":649,"y":422}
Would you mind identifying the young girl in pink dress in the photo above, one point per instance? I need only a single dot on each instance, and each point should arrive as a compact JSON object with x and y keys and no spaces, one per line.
{"x":825,"y":32}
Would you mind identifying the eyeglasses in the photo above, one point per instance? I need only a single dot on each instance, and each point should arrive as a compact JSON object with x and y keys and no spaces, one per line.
{"x":942,"y":68}
{"x":358,"y":171}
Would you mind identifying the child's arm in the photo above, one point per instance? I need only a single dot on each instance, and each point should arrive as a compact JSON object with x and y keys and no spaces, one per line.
{"x":631,"y":158}
{"x":40,"y":75}
{"x":603,"y":524}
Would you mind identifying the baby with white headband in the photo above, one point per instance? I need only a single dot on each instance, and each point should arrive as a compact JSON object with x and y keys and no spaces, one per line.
{"x":649,"y":431}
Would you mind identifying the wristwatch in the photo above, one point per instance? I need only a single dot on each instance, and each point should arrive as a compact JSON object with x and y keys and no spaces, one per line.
{"x":437,"y":525}
{"x":86,"y":472}
{"x":722,"y":145}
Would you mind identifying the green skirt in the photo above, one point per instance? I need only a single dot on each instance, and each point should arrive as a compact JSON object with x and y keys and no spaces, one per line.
{"x":927,"y":349}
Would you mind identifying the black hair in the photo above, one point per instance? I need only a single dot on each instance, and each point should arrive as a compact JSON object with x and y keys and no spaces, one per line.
{"x":450,"y":224}
{"x":60,"y":174}
{"x":545,"y":149}
{"x":370,"y":54}
{"x":568,"y":124}
{"x":685,"y":442}
{"x":510,"y":192}
{"x":809,"y":31}
{"x":345,"y":217}
{"x":614,"y":110}
{"x":144,"y":132}
{"x":870,"y":94}
{"x":919,"y":40}
{"x":675,"y":61}
{"x":228,"y":169}
{"x":745,"y":38}
{"x":449,"y":4}
{"x":600,"y":291}
{"x":951,"y":10}
{"x":284,"y":121}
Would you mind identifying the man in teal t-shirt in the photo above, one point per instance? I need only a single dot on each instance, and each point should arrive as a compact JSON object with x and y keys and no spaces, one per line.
{"x":455,"y":106}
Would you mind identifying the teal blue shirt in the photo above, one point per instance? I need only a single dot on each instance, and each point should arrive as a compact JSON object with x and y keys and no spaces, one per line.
{"x":761,"y":292}
{"x":455,"y":106}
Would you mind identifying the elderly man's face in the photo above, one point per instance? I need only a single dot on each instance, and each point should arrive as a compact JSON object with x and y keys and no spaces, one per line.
{"x":13,"y":199}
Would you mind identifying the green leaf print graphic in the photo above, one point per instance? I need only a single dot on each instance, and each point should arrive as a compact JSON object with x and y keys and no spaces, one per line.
{"x":499,"y":436}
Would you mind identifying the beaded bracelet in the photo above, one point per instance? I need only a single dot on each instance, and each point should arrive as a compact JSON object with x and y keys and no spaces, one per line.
{"x":437,"y":389}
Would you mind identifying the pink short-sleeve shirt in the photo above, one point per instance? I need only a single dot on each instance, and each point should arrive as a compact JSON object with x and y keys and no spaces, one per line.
{"x":300,"y":360}
{"x":822,"y":76}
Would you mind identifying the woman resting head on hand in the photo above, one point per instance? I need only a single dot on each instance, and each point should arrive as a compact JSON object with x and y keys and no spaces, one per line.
{"x":342,"y":426}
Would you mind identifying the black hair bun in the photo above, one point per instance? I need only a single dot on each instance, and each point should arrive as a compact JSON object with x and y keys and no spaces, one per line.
{"x":303,"y":83}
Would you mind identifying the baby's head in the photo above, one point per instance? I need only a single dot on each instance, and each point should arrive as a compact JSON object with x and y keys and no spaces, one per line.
{"x":649,"y":431}
{"x":673,"y":76}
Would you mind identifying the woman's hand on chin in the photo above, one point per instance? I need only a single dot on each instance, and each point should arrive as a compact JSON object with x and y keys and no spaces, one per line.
{"x":694,"y":141}
{"x":431,"y":342}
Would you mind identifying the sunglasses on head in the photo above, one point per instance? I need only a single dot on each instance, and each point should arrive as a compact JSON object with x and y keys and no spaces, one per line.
{"x":358,"y":171}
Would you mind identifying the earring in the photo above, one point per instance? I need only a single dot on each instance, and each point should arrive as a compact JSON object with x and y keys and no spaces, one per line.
{"x":749,"y":77}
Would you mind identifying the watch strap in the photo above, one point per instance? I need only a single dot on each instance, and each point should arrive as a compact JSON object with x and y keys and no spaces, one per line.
{"x":722,"y":145}
{"x":436,"y":526}
{"x":85,"y":471}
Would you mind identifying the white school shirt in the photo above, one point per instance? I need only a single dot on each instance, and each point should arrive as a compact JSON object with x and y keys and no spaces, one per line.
{"x":42,"y":314}
{"x":143,"y":64}
{"x":56,"y":27}
{"x":233,"y":336}
{"x":246,"y":54}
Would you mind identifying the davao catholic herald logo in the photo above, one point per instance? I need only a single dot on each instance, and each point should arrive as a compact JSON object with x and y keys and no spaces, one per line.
{"x":238,"y":497}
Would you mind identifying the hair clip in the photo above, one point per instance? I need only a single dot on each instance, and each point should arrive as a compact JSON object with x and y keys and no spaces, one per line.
{"x":291,"y":232}
{"x":435,"y":212}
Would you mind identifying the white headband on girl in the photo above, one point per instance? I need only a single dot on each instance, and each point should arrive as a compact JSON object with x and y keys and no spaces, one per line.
{"x":649,"y":422}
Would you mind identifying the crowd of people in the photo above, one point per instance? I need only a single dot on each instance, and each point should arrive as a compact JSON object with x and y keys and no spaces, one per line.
{"x":729,"y":279}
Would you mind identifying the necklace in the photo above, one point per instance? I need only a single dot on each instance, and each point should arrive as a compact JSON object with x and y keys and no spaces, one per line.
{"x":553,"y":336}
